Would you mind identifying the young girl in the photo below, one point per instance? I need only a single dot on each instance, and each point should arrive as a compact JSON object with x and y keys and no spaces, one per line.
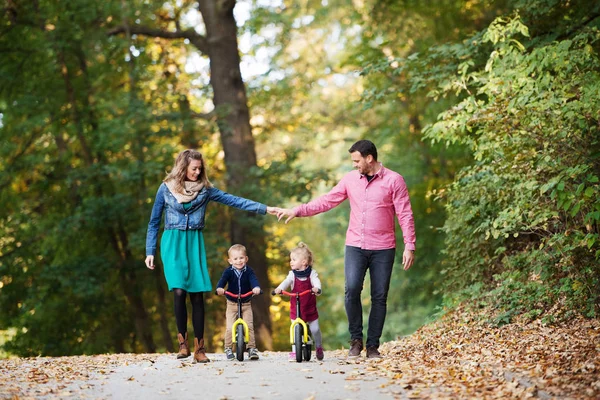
{"x":302,"y":277}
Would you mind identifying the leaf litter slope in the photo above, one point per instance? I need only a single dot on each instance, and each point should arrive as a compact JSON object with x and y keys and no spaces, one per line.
{"x":461,"y":356}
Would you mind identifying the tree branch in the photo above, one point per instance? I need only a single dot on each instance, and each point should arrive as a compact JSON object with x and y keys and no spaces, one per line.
{"x":194,"y":37}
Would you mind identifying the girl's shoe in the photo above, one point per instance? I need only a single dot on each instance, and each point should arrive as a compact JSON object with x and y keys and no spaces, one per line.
{"x":229,"y":354}
{"x":292,"y":356}
{"x":320,"y":354}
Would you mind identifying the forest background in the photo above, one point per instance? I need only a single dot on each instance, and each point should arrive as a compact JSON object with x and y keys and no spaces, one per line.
{"x":489,"y":109}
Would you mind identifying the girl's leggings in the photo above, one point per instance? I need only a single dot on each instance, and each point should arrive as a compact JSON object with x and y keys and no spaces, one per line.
{"x":316,"y":333}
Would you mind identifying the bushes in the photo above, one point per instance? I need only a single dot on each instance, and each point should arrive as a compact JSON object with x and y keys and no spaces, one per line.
{"x":524,"y":218}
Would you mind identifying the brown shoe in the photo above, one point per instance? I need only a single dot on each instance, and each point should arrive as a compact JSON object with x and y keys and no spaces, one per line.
{"x":199,"y":351}
{"x":184,"y":350}
{"x":373,"y":352}
{"x":356,"y":346}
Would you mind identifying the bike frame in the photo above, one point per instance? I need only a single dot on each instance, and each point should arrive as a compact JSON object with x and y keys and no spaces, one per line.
{"x":298,"y":320}
{"x":239,"y":320}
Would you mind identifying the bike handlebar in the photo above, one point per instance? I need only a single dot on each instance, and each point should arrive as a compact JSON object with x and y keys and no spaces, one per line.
{"x":250,"y":293}
{"x":292,"y":294}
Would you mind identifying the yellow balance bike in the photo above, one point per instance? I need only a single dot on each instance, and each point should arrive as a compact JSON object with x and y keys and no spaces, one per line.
{"x":299,"y":333}
{"x":239,"y":330}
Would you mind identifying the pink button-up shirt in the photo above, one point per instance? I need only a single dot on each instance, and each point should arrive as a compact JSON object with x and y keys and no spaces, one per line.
{"x":372,"y":209}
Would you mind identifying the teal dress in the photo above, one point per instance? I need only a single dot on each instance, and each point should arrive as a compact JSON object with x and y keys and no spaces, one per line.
{"x":184,"y":259}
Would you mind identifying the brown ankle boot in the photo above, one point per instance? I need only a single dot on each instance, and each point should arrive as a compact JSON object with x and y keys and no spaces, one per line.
{"x":199,"y":351}
{"x":184,"y":349}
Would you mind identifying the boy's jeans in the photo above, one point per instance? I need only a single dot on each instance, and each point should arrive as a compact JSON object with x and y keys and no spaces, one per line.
{"x":356,"y":263}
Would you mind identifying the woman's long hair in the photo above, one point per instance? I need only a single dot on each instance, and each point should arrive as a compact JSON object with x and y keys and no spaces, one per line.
{"x":179,"y":171}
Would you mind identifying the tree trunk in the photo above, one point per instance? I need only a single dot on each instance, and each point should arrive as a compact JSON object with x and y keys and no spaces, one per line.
{"x":238,"y":144}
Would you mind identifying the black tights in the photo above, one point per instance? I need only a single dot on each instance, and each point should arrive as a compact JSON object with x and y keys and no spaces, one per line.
{"x":197,"y":300}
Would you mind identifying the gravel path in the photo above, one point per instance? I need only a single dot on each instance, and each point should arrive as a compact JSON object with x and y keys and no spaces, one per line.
{"x":272,"y":376}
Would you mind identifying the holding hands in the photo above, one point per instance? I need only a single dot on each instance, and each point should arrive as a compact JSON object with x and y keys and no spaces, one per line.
{"x":282,"y":212}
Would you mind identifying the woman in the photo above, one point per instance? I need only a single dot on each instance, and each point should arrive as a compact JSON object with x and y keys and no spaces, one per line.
{"x":183,"y":197}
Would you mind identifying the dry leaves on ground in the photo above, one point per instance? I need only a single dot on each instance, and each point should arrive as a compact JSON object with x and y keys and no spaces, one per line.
{"x":30,"y":378}
{"x":459,"y":357}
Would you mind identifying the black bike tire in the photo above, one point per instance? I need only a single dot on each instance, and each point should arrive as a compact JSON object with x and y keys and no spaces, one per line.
{"x":298,"y":334}
{"x":308,"y":347}
{"x":306,"y":350}
{"x":240,"y":345}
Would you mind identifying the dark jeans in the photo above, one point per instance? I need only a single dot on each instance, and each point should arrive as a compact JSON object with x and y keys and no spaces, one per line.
{"x":356,"y":263}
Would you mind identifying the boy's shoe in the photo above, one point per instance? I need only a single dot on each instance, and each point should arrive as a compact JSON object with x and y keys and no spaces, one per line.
{"x":320,"y":354}
{"x":253,"y":353}
{"x":356,"y":346}
{"x":373,"y":352}
{"x":292,"y":356}
{"x":229,"y":354}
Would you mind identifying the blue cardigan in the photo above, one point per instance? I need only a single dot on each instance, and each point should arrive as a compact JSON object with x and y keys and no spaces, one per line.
{"x":244,"y":284}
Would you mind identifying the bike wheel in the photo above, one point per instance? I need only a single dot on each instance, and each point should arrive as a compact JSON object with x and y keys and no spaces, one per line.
{"x":298,"y":333}
{"x":306,"y":350}
{"x":240,"y":345}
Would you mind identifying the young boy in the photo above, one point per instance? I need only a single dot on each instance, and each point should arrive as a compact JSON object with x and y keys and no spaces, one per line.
{"x":239,"y":278}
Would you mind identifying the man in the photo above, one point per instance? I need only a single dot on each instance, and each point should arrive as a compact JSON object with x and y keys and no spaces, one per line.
{"x":376,"y":195}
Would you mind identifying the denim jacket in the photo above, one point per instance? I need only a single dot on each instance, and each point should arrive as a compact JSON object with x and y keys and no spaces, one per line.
{"x":176,"y":217}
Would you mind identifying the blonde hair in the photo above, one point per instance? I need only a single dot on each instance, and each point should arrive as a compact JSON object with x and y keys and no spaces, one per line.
{"x":179,"y":171}
{"x":237,"y":247}
{"x":303,"y":250}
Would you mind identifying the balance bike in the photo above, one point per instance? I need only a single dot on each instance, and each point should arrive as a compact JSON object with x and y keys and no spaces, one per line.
{"x":299,"y":332}
{"x":239,"y":330}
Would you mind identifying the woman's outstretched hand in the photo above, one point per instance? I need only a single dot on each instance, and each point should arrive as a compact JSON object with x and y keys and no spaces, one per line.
{"x":273,"y":210}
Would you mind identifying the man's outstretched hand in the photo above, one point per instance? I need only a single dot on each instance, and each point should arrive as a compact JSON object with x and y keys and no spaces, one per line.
{"x":281,"y":212}
{"x":285,"y":212}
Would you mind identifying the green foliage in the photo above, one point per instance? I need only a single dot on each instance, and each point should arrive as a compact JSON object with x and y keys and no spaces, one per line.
{"x":83,"y":152}
{"x":524,"y":218}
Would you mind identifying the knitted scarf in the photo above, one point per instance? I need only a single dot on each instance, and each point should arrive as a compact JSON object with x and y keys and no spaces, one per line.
{"x":190,"y":190}
{"x":303,"y":274}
